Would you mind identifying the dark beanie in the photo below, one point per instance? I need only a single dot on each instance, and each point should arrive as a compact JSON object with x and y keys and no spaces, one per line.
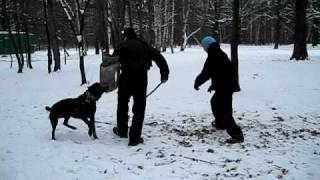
{"x":129,"y":33}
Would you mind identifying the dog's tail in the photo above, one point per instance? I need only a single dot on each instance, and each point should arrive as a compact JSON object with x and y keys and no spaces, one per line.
{"x":48,"y":108}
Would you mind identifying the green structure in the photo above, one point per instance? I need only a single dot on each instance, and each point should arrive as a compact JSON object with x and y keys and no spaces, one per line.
{"x":6,"y":46}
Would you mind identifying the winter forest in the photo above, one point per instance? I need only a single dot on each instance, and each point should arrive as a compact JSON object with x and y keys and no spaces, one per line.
{"x":166,"y":24}
{"x":52,"y":49}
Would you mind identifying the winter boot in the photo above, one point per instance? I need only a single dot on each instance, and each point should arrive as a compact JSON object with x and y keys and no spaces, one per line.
{"x":121,"y":135}
{"x":134,"y":143}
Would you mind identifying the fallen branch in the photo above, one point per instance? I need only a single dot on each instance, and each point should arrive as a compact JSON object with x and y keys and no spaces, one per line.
{"x":164,"y":163}
{"x":199,"y":160}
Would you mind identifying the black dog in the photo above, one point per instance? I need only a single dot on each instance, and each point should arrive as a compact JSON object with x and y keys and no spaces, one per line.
{"x":83,"y":107}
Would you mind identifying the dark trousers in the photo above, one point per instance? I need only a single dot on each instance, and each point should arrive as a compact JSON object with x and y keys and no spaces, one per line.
{"x":132,"y":84}
{"x":221,"y":105}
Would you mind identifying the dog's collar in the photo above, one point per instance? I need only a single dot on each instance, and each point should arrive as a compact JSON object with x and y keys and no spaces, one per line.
{"x":90,"y":99}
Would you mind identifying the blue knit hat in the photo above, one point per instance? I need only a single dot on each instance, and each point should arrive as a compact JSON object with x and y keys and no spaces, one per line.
{"x":207,"y":41}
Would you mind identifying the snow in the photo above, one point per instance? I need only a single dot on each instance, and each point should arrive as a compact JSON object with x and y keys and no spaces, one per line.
{"x":278,"y":109}
{"x":79,"y":38}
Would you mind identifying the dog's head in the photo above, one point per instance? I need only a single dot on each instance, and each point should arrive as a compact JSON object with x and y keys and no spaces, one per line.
{"x":96,"y":90}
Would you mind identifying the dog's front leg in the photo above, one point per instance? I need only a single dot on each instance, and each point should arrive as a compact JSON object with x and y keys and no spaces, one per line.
{"x":89,"y":126}
{"x":93,"y":127}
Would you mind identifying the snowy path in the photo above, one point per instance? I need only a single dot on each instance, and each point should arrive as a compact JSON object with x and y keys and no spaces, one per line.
{"x":278,"y":109}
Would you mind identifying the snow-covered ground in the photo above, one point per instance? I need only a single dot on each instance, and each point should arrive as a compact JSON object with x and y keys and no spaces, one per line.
{"x":278,"y":109}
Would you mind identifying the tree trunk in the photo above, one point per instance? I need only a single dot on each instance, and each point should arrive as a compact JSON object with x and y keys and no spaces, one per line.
{"x":96,"y":44}
{"x":165,"y":27}
{"x":77,"y":30}
{"x":111,"y":18}
{"x":65,"y":52}
{"x":8,"y":26}
{"x":172,"y":27}
{"x":102,"y":29}
{"x":53,"y":35}
{"x":257,"y":34}
{"x":130,"y":13}
{"x":48,"y":35}
{"x":300,"y":44}
{"x":235,"y":37}
{"x":27,"y":40}
{"x":139,"y":6}
{"x":80,"y":38}
{"x":157,"y":23}
{"x":216,"y":30}
{"x":81,"y":55}
{"x":315,"y":33}
{"x":97,"y":27}
{"x":277,"y":25}
{"x":185,"y":18}
{"x":115,"y":23}
{"x":150,"y":37}
{"x":19,"y":37}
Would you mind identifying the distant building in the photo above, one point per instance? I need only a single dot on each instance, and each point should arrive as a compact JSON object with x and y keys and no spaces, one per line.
{"x":6,"y":46}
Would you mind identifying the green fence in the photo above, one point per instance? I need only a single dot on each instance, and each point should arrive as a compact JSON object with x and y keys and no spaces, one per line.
{"x":6,"y":46}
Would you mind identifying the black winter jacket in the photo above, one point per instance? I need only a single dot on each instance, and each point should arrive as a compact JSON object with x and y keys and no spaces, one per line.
{"x":136,"y":55}
{"x":219,"y":68}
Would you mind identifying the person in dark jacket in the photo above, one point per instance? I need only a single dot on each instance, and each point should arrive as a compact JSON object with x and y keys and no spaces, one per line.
{"x":135,"y":57}
{"x":224,"y":82}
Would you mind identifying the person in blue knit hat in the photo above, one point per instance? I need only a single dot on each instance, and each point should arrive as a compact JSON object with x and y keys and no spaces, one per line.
{"x":224,"y":82}
{"x":207,"y":41}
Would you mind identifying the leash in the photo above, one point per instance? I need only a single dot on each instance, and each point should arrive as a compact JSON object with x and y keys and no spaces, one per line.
{"x":103,"y":122}
{"x":151,"y":92}
{"x":154,"y":89}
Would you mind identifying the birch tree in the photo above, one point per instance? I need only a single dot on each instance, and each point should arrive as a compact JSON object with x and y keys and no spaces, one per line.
{"x":185,"y":17}
{"x":75,"y":18}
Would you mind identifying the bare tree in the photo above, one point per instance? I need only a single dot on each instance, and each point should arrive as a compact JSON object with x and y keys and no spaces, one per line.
{"x":172,"y":26}
{"x":17,"y":19}
{"x":102,"y":28}
{"x":277,"y":24}
{"x":26,"y":13}
{"x":185,"y":17}
{"x":162,"y":23}
{"x":300,"y":43}
{"x":48,"y":34}
{"x":53,"y":35}
{"x":235,"y":37}
{"x":76,"y":21}
{"x":8,"y":18}
{"x":314,"y":17}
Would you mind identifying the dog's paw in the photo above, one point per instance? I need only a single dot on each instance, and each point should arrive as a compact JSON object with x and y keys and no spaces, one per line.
{"x":90,"y":132}
{"x":95,"y":137}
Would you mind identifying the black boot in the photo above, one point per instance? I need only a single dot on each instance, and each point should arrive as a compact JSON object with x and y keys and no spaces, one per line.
{"x":217,"y":126}
{"x":135,"y":142}
{"x":235,"y":139}
{"x":121,"y":135}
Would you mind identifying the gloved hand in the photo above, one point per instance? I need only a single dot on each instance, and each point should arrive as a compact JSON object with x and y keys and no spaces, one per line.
{"x":196,"y":87}
{"x":164,"y":80}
